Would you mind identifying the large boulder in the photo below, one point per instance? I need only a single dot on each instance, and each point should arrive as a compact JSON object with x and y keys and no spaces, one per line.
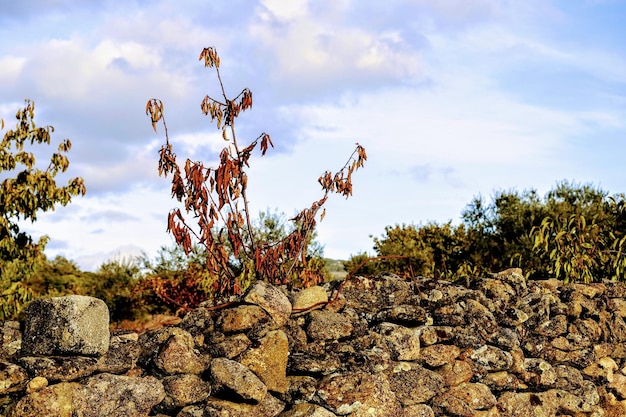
{"x":70,"y":325}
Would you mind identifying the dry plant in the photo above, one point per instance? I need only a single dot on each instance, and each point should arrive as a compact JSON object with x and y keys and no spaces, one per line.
{"x":216,"y":200}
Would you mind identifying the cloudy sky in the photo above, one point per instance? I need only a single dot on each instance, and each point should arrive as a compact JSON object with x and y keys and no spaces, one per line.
{"x":450,"y":98}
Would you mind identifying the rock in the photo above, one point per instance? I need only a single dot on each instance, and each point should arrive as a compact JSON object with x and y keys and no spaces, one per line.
{"x":57,"y":400}
{"x":36,"y":384}
{"x":300,"y":389}
{"x":100,"y":395}
{"x":492,"y":359}
{"x":358,"y":394}
{"x":405,"y":314}
{"x":328,"y":325}
{"x":413,"y":384}
{"x":272,"y":300}
{"x":367,"y":295}
{"x":70,"y":325}
{"x":309,"y":298}
{"x":177,"y":355}
{"x":269,"y":406}
{"x":305,"y":362}
{"x":418,"y":410}
{"x":12,"y":378}
{"x":122,"y":355}
{"x":438,"y":354}
{"x":476,"y":395}
{"x":230,"y":346}
{"x":198,"y":322}
{"x":404,"y":343}
{"x":269,"y":360}
{"x":60,"y":368}
{"x":234,"y":376}
{"x":241,"y":318}
{"x":10,"y":339}
{"x":456,"y":373}
{"x":514,"y":404}
{"x":184,"y":389}
{"x":118,"y":396}
{"x":307,"y":410}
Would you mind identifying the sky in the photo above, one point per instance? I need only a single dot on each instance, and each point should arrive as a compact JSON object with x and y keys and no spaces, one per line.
{"x":451,"y":99}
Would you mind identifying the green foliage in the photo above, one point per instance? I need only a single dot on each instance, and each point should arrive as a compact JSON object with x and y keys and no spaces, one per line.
{"x":26,"y":190}
{"x":578,"y":248}
{"x":576,"y":233}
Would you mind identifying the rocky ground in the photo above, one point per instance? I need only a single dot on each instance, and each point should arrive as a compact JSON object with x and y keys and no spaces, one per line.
{"x":383,"y":346}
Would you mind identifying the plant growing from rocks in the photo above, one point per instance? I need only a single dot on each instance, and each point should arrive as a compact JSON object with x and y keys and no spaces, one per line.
{"x":215,"y":199}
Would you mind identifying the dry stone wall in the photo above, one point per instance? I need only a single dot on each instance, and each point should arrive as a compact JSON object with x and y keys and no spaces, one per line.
{"x":387,"y":347}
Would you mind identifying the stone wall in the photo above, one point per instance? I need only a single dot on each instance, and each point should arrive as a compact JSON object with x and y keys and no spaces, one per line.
{"x":385,"y":347}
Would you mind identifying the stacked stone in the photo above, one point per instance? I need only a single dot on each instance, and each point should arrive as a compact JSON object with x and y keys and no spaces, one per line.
{"x":499,"y":346}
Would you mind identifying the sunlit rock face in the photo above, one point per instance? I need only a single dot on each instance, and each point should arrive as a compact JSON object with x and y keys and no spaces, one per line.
{"x":372,"y":346}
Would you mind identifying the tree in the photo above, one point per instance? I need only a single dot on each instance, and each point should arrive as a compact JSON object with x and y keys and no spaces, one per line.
{"x":575,"y":233}
{"x":26,"y":190}
{"x":216,"y":200}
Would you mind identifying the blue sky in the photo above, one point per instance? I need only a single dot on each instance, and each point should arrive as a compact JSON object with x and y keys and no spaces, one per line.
{"x":451,"y":99}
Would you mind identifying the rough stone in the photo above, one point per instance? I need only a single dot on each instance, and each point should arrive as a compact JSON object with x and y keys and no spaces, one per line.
{"x":309,"y":298}
{"x":404,"y":343}
{"x":438,"y":355}
{"x":118,"y":396}
{"x":359,"y":394}
{"x":307,"y":410}
{"x":414,"y":384}
{"x":178,"y":356}
{"x":184,"y":389}
{"x":269,"y":406}
{"x":272,"y":300}
{"x":10,"y":339}
{"x":386,"y":347}
{"x":328,"y":325}
{"x":100,"y":395}
{"x":70,"y":325}
{"x":226,"y":373}
{"x":12,"y":378}
{"x":269,"y":360}
{"x":241,"y":318}
{"x":60,"y":368}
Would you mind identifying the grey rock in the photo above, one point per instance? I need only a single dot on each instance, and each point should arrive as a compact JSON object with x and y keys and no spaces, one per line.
{"x":269,"y":406}
{"x":327,"y":325}
{"x":272,"y":300}
{"x":404,"y":343}
{"x":118,"y":396}
{"x":307,"y":410}
{"x":12,"y":378}
{"x":231,"y":375}
{"x":413,"y":384}
{"x":60,"y":368}
{"x":241,"y":318}
{"x":70,"y":325}
{"x":177,"y":355}
{"x":10,"y":339}
{"x":100,"y":395}
{"x":182,"y":390}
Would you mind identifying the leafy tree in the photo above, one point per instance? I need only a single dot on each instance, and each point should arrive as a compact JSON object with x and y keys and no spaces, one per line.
{"x":216,"y":199}
{"x":26,"y":190}
{"x":575,"y":232}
